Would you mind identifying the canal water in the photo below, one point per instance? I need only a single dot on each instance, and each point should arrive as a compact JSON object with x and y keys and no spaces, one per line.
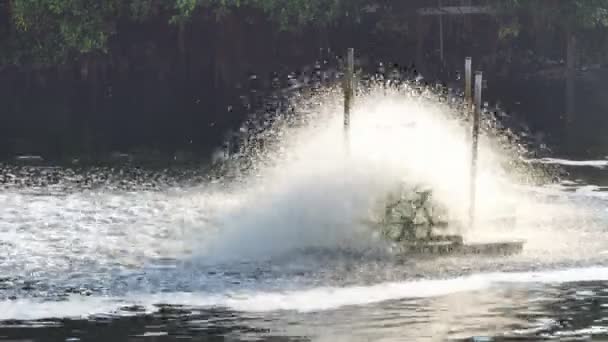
{"x":281,"y":251}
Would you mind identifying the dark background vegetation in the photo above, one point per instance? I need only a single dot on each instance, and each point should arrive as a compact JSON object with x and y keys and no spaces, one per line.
{"x":88,"y":77}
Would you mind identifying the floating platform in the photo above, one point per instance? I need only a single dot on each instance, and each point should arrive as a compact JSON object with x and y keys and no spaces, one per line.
{"x":453,"y":245}
{"x":445,"y":245}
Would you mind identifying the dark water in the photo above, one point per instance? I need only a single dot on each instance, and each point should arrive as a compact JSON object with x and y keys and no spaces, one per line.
{"x":119,"y":261}
{"x":575,"y":310}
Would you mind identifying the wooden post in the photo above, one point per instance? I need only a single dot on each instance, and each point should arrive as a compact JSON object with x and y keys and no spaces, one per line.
{"x":476,"y":115}
{"x":440,"y":34}
{"x":467,"y":82}
{"x":348,"y":88}
{"x":420,"y":32}
{"x":570,"y":89}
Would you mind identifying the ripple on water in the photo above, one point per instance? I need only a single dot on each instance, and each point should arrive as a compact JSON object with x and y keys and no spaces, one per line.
{"x":111,"y":254}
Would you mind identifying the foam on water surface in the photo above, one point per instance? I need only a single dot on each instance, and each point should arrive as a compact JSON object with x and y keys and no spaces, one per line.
{"x":592,"y":163}
{"x":303,"y":300}
{"x":308,"y":192}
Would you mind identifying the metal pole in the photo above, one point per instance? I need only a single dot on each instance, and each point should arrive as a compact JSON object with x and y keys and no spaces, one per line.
{"x":348,"y":88}
{"x":467,"y":82}
{"x":476,"y":115}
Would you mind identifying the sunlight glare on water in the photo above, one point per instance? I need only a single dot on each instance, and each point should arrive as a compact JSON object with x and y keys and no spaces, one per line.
{"x":288,"y":232}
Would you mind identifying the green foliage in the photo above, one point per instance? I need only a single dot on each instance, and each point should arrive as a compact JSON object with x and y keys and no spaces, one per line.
{"x":184,"y":9}
{"x":559,"y":14}
{"x":50,"y":31}
{"x":292,"y":14}
{"x":289,"y":14}
{"x":79,"y":25}
{"x":544,"y":18}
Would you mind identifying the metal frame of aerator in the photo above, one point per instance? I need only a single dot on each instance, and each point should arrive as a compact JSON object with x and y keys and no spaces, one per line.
{"x":349,"y":94}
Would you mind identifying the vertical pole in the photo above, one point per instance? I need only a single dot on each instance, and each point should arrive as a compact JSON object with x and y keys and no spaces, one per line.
{"x":420,"y":32}
{"x":570,"y":90}
{"x":348,"y":89}
{"x":440,"y":33}
{"x":467,"y":82}
{"x":476,"y":115}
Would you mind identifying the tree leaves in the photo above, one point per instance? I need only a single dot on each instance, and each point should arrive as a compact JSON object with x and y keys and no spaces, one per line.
{"x":49,"y":31}
{"x":558,"y":14}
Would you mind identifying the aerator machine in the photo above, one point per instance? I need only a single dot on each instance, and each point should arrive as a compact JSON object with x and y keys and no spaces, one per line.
{"x":417,"y":224}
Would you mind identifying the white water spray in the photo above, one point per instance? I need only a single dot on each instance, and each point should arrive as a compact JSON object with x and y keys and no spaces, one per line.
{"x":309,"y":192}
{"x":303,"y":192}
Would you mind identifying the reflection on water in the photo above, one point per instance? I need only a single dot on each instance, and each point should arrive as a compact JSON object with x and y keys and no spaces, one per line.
{"x":122,"y":262}
{"x":501,"y":313}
